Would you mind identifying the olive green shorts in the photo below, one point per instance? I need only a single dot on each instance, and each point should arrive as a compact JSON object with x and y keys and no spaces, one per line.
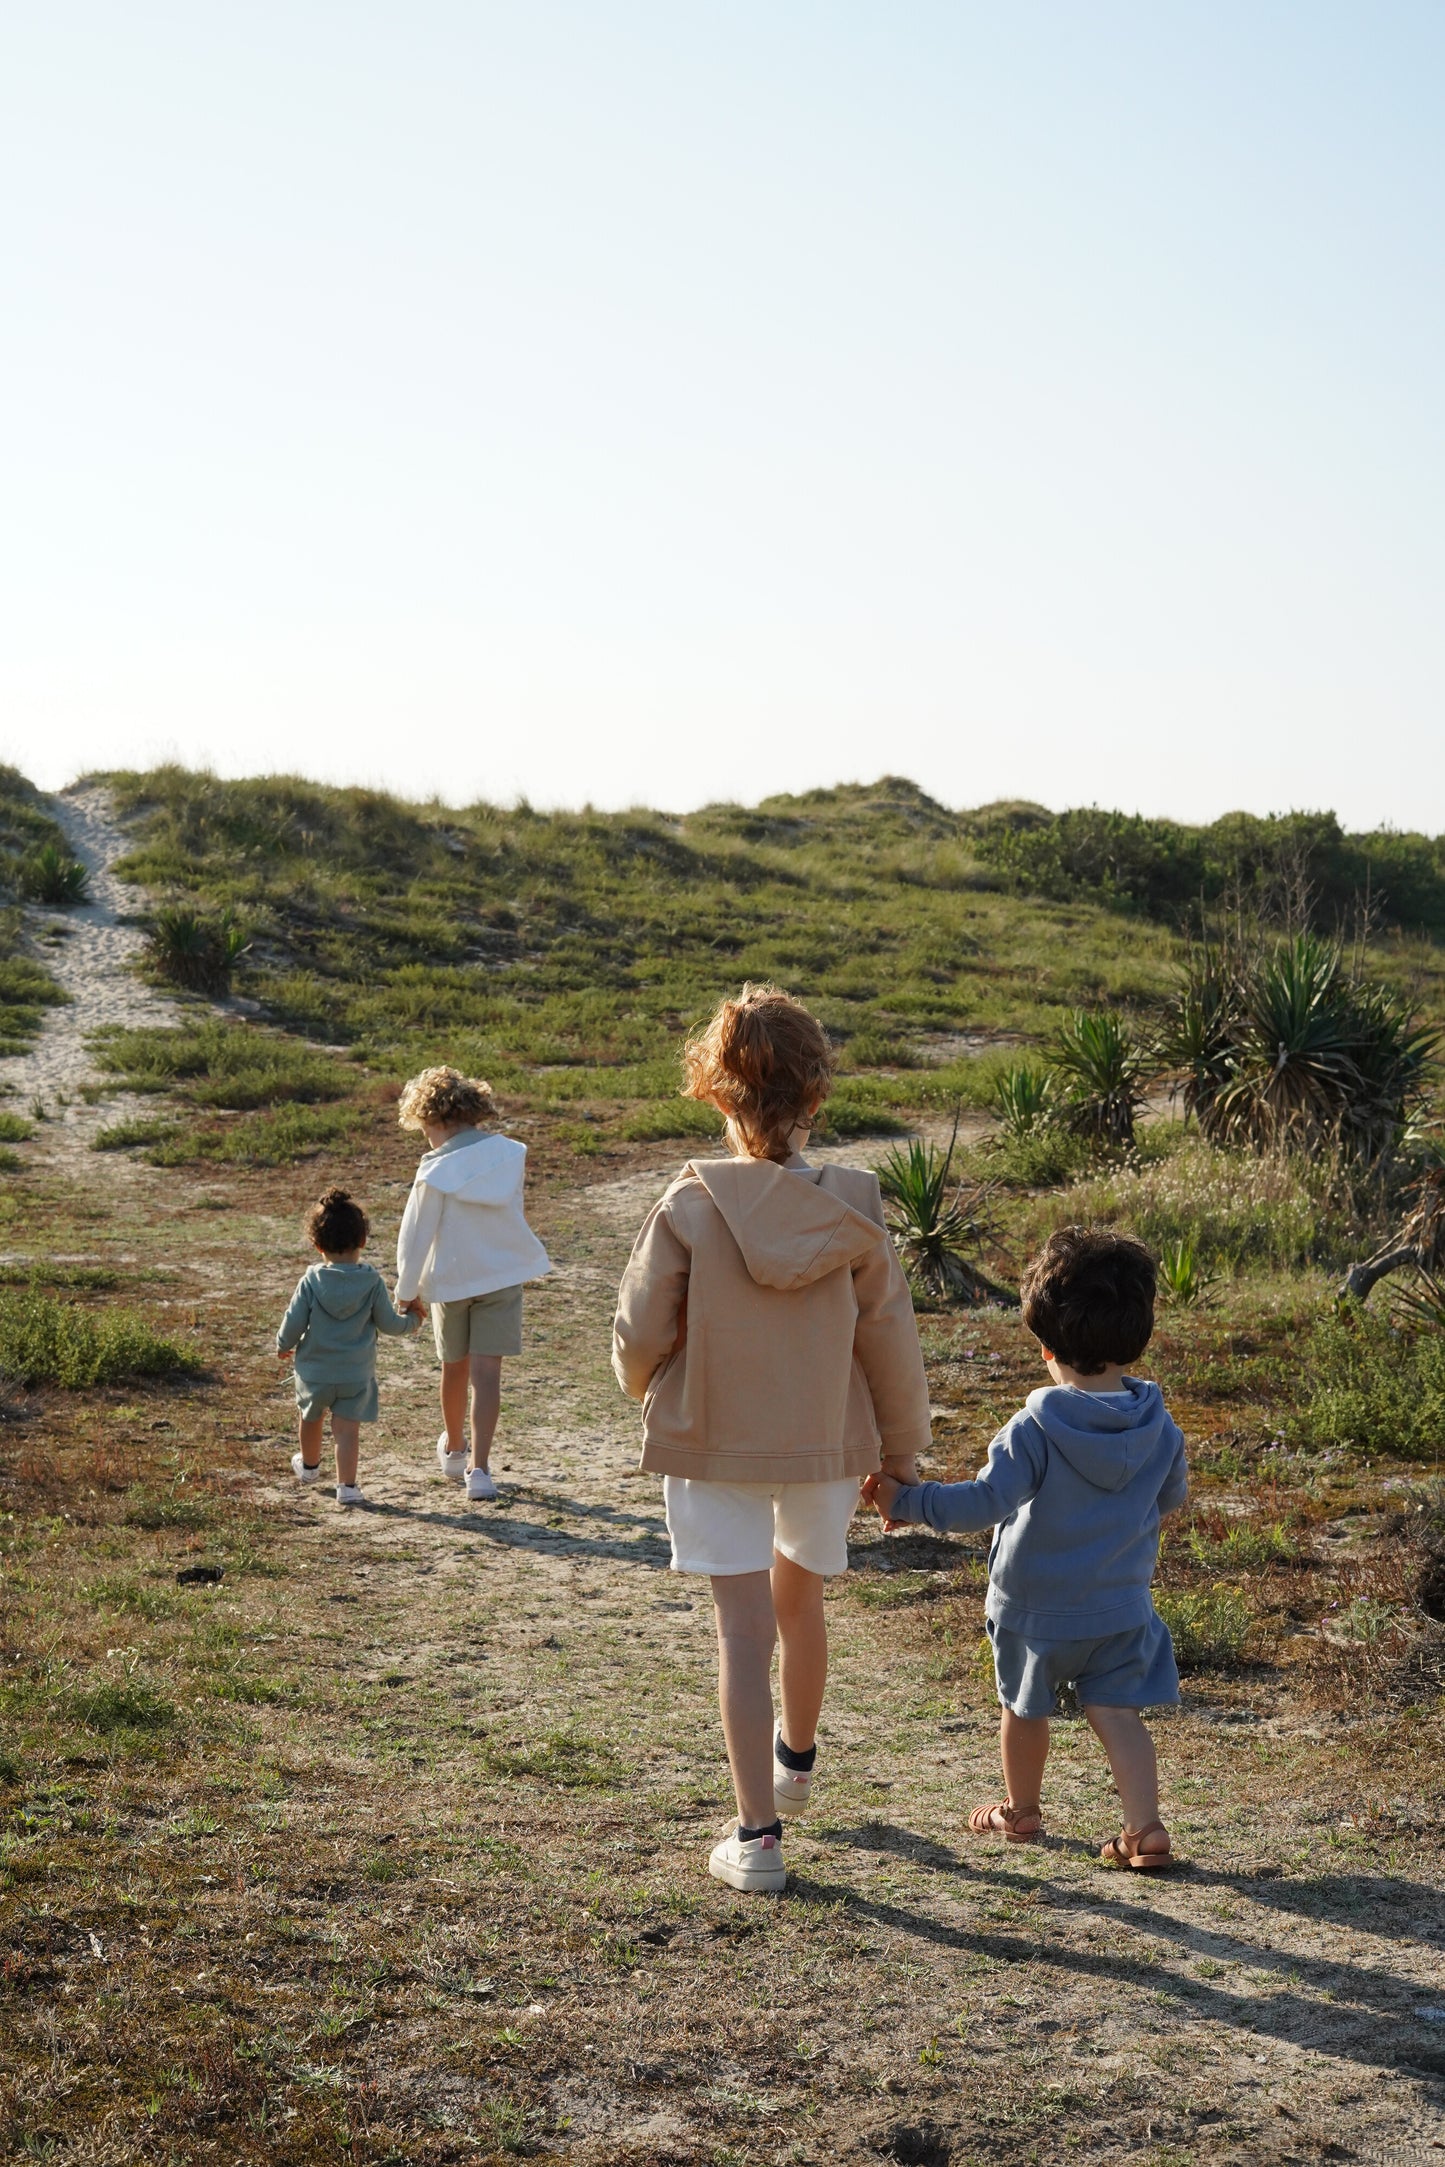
{"x":479,"y":1324}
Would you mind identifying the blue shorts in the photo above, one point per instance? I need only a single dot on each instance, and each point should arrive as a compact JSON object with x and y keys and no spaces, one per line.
{"x":351,"y":1402}
{"x":1134,"y":1669}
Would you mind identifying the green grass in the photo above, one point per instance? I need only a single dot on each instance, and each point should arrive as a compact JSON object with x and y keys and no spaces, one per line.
{"x":563,"y":1757}
{"x":1209,"y":1627}
{"x":111,"y":1708}
{"x":232,"y":1066}
{"x":1232,"y":1210}
{"x":1369,"y":1388}
{"x":270,"y":1139}
{"x":15,"y":1129}
{"x":45,"y":1341}
{"x":128,"y":1135}
{"x":26,"y":987}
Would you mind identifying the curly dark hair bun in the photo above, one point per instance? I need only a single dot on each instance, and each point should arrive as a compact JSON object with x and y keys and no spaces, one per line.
{"x":337,"y":1224}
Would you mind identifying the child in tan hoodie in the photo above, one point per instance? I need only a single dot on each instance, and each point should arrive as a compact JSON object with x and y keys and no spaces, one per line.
{"x":766,"y":1326}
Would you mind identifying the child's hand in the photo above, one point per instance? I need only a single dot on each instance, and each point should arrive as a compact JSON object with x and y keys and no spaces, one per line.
{"x":881,"y":1492}
{"x":284,"y":1354}
{"x":414,"y":1308}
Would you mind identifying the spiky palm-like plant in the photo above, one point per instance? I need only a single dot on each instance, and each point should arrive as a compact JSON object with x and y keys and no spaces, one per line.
{"x":931,"y":1228}
{"x":190,"y":948}
{"x":1102,"y":1070}
{"x":52,"y":875}
{"x":1025,"y":1098}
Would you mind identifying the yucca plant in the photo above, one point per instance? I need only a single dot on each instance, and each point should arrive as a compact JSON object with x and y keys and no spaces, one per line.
{"x":1288,"y":1049}
{"x":1024,"y":1098}
{"x":51,"y":875}
{"x":931,"y":1229}
{"x":193,"y":949}
{"x":1101,"y":1070}
{"x":1421,"y":1303}
{"x":1182,"y":1277}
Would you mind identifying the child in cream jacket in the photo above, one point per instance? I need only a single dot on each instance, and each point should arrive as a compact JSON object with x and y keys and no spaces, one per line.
{"x":465,"y":1248}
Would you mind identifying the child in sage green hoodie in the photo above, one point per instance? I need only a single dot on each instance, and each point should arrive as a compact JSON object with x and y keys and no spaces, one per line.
{"x":331,"y":1326}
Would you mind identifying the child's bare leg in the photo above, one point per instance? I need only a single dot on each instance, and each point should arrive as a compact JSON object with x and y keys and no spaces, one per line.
{"x":802,"y":1649}
{"x":309,"y":1434}
{"x":456,"y":1378}
{"x":346,"y":1436}
{"x":746,"y":1630}
{"x":1134,"y":1766}
{"x":485,"y":1377}
{"x":1024,"y":1748}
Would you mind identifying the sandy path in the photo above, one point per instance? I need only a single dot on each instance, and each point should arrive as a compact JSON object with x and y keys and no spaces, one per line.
{"x":91,"y":952}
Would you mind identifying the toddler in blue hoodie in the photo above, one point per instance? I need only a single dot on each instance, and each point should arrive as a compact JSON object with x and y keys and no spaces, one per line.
{"x":1074,"y":1487}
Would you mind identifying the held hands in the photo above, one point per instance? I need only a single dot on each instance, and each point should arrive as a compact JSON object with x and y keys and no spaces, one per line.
{"x":881,"y":1492}
{"x":414,"y":1308}
{"x":284,"y":1354}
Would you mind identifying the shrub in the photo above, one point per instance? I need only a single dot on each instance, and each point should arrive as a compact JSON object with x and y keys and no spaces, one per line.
{"x":126,"y":1135}
{"x":1286,"y":1048}
{"x":931,"y":1229}
{"x":680,"y":1117}
{"x":1182,"y":1279}
{"x":51,"y":875}
{"x":1208,"y":1627}
{"x":1232,"y":1209}
{"x":195,"y":949}
{"x":1102,"y":1077}
{"x":14,"y":1128}
{"x":1040,"y":1159}
{"x":47,"y":1341}
{"x":1024,"y":1099}
{"x":1370,"y":1387}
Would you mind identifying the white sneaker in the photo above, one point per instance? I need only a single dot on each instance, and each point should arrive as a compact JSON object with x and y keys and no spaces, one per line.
{"x":452,"y":1464}
{"x":480,"y":1487}
{"x":348,"y":1493}
{"x":302,"y":1472}
{"x":754,"y":1865}
{"x":792,"y":1787}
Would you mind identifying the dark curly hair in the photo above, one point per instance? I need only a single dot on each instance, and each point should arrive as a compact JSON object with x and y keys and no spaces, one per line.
{"x":1088,"y":1297}
{"x":337,"y":1224}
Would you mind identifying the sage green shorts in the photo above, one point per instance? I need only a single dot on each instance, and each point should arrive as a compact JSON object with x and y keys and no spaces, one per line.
{"x":479,"y":1324}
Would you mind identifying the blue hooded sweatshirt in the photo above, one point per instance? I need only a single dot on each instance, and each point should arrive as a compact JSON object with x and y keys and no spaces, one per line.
{"x":1073,"y":1486}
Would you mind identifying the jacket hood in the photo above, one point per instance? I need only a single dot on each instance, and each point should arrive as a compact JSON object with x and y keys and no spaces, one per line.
{"x":475,"y":1169}
{"x":343,"y":1289}
{"x":1106,"y":1441}
{"x":789,"y":1230}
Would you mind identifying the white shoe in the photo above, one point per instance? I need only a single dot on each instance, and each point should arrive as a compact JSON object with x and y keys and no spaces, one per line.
{"x":792,"y":1787}
{"x":754,"y":1865}
{"x":302,"y":1472}
{"x":480,"y":1487}
{"x":348,"y":1493}
{"x":452,"y":1464}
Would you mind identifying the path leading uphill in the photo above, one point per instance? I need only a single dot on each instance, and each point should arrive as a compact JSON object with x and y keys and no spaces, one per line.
{"x":90,"y":950}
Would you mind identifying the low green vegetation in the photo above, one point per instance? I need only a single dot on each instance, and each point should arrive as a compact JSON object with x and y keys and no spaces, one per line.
{"x":1208,"y":1626}
{"x":1370,"y":1388}
{"x":47,"y":1341}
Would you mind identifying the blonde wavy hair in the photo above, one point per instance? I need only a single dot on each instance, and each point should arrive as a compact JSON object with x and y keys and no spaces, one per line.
{"x":765,"y":1062}
{"x":445,"y":1095}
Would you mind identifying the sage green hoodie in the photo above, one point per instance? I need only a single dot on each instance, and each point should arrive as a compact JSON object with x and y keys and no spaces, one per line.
{"x":334,"y":1317}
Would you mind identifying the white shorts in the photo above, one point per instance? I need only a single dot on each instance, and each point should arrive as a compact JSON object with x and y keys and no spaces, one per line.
{"x":734,"y":1527}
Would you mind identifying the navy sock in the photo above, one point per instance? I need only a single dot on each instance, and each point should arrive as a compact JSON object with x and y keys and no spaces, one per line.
{"x":800,"y":1763}
{"x":751,"y":1835}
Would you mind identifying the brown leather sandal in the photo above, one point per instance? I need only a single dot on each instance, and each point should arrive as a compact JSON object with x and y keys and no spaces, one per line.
{"x":981,"y":1822}
{"x":1125,"y":1849}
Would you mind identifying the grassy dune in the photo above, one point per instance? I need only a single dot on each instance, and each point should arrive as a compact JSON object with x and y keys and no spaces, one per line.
{"x":382,"y":1842}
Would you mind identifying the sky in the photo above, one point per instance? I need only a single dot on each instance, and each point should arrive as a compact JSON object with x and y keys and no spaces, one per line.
{"x":663,"y":401}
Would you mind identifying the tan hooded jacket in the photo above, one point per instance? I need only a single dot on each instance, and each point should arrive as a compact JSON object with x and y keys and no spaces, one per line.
{"x":765,"y":1324}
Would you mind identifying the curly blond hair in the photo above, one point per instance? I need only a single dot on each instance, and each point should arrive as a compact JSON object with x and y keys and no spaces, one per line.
{"x":445,"y":1095}
{"x":766,"y":1064}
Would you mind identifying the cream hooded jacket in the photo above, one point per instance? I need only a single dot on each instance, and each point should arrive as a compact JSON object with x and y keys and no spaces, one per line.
{"x":463,"y":1232}
{"x":765,"y":1324}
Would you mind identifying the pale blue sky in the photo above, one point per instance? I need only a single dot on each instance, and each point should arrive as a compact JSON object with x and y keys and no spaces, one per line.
{"x":663,"y":401}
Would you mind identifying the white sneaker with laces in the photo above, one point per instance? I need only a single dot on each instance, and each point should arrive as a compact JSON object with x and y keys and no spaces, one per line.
{"x":349,"y":1493}
{"x":302,"y":1472}
{"x":480,"y":1487}
{"x":792,"y":1787}
{"x":756,"y":1865}
{"x":452,"y":1464}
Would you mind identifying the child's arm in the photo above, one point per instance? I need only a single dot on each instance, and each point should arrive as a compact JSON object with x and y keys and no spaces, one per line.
{"x":1176,"y":1482}
{"x":885,"y":1341}
{"x":397,"y":1323}
{"x":1009,"y":1477}
{"x":419,"y":1223}
{"x":651,"y":1304}
{"x":295,"y":1321}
